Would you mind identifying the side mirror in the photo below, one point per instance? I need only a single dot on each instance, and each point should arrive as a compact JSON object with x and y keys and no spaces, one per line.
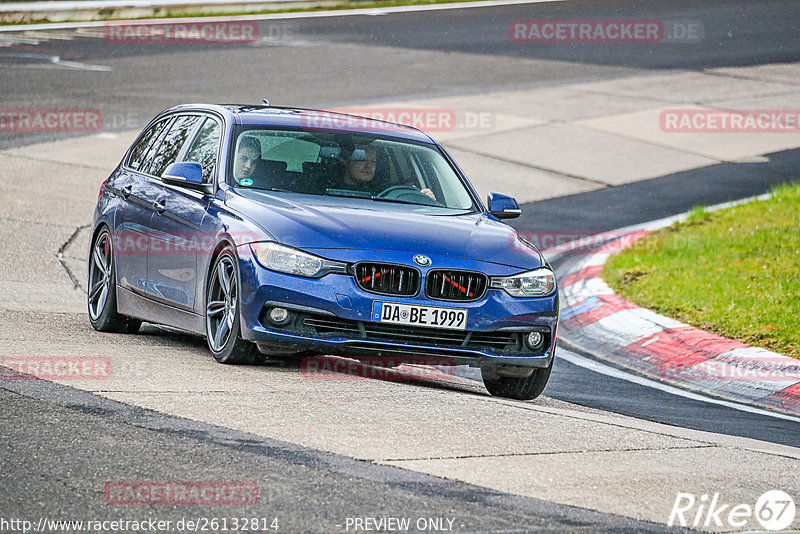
{"x":187,"y":174}
{"x":503,"y":206}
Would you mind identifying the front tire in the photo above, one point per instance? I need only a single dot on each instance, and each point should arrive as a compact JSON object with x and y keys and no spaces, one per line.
{"x":102,"y":295}
{"x":519,"y":388}
{"x":223,"y":331}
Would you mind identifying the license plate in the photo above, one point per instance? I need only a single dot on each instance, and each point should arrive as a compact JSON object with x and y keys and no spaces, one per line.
{"x":414,"y":315}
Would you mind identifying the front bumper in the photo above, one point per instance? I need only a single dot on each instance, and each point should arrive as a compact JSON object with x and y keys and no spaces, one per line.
{"x":332,"y":315}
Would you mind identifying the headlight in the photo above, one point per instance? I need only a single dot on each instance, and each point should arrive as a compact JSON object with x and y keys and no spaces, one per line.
{"x":537,"y":283}
{"x":292,"y":261}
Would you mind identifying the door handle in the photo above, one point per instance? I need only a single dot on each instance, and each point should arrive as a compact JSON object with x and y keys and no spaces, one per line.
{"x":126,"y":191}
{"x":159,"y":207}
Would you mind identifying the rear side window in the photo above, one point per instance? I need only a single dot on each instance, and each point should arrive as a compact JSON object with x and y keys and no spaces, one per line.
{"x":171,"y":146}
{"x":139,"y":152}
{"x":205,"y":148}
{"x":294,"y":152}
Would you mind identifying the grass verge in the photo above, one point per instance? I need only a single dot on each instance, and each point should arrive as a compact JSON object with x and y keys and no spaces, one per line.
{"x":734,"y":272}
{"x":177,"y":12}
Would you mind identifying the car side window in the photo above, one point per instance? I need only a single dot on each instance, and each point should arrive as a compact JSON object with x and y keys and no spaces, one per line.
{"x":139,"y":152}
{"x":205,"y":148}
{"x":173,"y":142}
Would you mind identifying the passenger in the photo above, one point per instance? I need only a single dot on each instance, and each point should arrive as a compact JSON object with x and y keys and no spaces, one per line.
{"x":247,"y":158}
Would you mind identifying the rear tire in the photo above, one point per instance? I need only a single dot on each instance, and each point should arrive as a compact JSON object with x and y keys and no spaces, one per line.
{"x":520,"y":388}
{"x":102,"y":294}
{"x":223,"y":331}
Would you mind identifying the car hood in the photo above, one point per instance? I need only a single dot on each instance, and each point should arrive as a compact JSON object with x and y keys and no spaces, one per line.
{"x":317,"y":222}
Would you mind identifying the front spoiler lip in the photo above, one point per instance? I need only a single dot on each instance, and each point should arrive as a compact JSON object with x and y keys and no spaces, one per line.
{"x":360,"y":347}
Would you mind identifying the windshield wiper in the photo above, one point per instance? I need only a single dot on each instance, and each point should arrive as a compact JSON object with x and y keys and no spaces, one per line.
{"x":347,"y":193}
{"x":384,"y":199}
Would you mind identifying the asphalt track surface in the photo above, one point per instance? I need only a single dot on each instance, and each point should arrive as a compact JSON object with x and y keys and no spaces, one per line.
{"x":316,"y":62}
{"x":337,"y":61}
{"x":306,"y":490}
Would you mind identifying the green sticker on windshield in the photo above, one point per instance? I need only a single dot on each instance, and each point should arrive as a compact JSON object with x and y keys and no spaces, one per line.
{"x":247,"y":182}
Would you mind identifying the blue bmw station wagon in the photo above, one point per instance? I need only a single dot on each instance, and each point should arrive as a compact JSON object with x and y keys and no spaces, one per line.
{"x":277,"y":232}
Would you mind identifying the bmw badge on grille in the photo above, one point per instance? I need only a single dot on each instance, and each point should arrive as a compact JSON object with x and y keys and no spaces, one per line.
{"x":422,"y":261}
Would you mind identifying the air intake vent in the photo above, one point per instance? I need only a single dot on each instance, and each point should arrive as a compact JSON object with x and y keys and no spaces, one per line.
{"x":460,"y":286}
{"x":334,"y":326}
{"x":387,"y":279}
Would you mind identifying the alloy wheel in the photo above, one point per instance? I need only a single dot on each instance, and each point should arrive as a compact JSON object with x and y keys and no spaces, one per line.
{"x":99,"y":275}
{"x":222,"y":301}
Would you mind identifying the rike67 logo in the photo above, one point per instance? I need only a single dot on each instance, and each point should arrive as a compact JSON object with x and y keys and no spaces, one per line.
{"x":774,"y":511}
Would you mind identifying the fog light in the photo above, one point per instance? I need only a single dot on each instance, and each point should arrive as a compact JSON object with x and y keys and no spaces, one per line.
{"x":278,"y":315}
{"x":534,"y":340}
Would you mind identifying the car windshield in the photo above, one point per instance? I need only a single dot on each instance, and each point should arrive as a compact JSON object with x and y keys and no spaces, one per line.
{"x":377,"y":168}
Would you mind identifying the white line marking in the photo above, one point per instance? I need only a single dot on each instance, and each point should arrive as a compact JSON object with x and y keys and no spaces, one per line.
{"x":601,"y":368}
{"x":80,"y":66}
{"x":46,"y":60}
{"x":653,"y":340}
{"x":9,"y":41}
{"x":286,"y":16}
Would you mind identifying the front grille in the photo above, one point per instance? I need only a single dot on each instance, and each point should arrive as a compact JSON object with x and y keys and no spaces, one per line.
{"x":461,"y":286}
{"x":334,"y":326}
{"x":387,"y":279}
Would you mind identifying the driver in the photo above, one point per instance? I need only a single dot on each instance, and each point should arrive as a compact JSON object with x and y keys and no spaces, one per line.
{"x":358,"y":174}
